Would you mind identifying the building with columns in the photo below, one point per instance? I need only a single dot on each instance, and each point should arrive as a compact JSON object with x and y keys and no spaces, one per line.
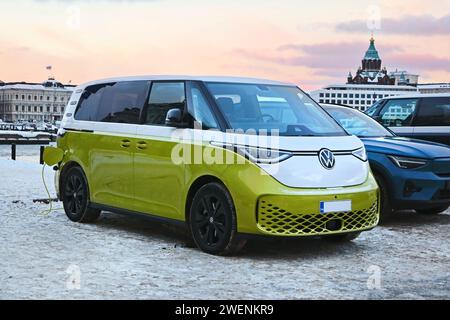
{"x":34,"y":102}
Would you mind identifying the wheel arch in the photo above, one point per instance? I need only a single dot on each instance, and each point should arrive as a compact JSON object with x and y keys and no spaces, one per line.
{"x":194,"y":187}
{"x":379,"y":170}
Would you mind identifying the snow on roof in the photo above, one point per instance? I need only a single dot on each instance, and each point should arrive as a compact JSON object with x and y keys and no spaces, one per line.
{"x":26,"y":86}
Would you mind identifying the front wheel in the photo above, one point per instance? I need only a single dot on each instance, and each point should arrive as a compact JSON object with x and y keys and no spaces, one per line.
{"x":212,"y":220}
{"x":436,"y":210}
{"x":76,"y":197}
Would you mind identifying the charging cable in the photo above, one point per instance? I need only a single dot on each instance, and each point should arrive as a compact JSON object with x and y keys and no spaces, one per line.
{"x":46,"y":212}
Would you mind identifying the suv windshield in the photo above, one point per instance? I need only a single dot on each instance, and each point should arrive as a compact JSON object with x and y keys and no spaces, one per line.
{"x":357,"y":123}
{"x":285,"y":109}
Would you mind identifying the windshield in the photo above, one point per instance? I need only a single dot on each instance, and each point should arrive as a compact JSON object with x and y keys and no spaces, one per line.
{"x":269,"y":107}
{"x":357,"y":123}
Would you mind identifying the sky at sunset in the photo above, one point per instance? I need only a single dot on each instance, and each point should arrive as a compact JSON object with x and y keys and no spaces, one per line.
{"x":311,"y":43}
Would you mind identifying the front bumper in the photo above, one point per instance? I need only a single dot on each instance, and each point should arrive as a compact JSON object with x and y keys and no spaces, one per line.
{"x":420,"y":189}
{"x":282,"y":211}
{"x":291,"y":216}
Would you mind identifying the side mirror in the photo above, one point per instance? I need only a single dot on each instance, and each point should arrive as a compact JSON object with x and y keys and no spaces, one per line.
{"x":174,"y":118}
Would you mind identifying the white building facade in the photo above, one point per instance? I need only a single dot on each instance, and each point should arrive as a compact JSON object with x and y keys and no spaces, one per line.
{"x":358,"y":96}
{"x":33,"y":102}
{"x":428,"y":88}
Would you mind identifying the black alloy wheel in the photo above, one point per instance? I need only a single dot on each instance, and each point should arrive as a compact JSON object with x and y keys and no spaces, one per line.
{"x":212,"y":221}
{"x":76,"y":197}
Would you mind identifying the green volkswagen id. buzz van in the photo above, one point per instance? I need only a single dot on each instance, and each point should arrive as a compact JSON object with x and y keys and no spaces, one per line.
{"x":226,"y":157}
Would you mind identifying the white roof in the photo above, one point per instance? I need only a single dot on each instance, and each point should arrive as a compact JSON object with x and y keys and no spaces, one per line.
{"x":190,"y":78}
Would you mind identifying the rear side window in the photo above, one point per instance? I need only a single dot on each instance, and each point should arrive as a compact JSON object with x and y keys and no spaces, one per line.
{"x":398,"y":112}
{"x":89,"y":102}
{"x":434,"y":112}
{"x":163,"y":97}
{"x":122,"y":102}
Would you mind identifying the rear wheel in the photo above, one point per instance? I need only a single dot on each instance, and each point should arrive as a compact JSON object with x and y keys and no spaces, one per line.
{"x":436,"y":210}
{"x":76,"y":197}
{"x":386,"y":208}
{"x":212,"y":220}
{"x":343,"y":237}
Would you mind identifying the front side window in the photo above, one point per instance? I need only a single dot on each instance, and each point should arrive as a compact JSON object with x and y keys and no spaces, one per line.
{"x":285,"y":109}
{"x":201,"y":109}
{"x":163,"y":97}
{"x":434,"y":112}
{"x":398,"y":112}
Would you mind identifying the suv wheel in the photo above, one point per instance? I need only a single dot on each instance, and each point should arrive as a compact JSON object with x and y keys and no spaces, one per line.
{"x":212,"y":220}
{"x":386,"y":208}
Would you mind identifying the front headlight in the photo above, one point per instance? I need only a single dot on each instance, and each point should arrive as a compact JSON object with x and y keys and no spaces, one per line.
{"x":261,"y":155}
{"x":407,"y":163}
{"x":361,"y":154}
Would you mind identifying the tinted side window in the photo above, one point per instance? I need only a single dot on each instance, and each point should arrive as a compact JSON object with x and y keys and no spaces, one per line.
{"x":398,"y":112}
{"x":434,"y":112}
{"x":122,"y":102}
{"x":89,"y":102}
{"x":163,"y":97}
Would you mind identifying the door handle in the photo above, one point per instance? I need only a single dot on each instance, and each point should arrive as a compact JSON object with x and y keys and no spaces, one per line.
{"x":125,"y":143}
{"x":141,"y":145}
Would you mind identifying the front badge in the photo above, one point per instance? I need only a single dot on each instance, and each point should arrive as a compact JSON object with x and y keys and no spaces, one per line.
{"x":326,"y":159}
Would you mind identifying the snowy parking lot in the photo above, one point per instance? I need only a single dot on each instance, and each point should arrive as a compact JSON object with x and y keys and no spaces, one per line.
{"x":123,"y":257}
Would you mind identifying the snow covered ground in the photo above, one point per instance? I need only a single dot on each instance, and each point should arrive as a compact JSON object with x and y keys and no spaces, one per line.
{"x":129,"y":258}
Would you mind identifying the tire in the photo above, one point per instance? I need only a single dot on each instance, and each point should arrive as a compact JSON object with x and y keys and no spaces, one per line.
{"x":346,"y":237}
{"x":386,"y":209}
{"x":212,"y":221}
{"x":76,"y":197}
{"x":432,"y":211}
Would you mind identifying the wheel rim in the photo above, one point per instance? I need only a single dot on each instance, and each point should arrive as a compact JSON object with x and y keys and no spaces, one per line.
{"x":210,"y":220}
{"x":74,"y":194}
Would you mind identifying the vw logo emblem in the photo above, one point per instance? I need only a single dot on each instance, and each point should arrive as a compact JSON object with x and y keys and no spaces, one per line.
{"x":326,"y":159}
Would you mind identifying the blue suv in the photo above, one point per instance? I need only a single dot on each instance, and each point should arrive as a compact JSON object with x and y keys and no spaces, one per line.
{"x":411,"y":174}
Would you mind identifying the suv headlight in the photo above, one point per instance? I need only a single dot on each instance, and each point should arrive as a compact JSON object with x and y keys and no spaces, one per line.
{"x":262,"y":155}
{"x":408,"y":163}
{"x":361,"y":154}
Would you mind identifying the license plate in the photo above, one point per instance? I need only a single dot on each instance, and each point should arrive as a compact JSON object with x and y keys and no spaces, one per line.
{"x":335,"y":206}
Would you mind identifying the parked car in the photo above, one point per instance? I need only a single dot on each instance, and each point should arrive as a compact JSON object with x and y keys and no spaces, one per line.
{"x":122,"y":142}
{"x":44,"y":126}
{"x":411,"y":173}
{"x":420,"y":116}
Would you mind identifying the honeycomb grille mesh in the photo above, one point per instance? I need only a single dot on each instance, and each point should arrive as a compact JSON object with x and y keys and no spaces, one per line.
{"x":277,"y":221}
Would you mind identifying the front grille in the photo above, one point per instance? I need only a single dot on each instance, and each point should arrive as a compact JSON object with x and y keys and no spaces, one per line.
{"x":275,"y":220}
